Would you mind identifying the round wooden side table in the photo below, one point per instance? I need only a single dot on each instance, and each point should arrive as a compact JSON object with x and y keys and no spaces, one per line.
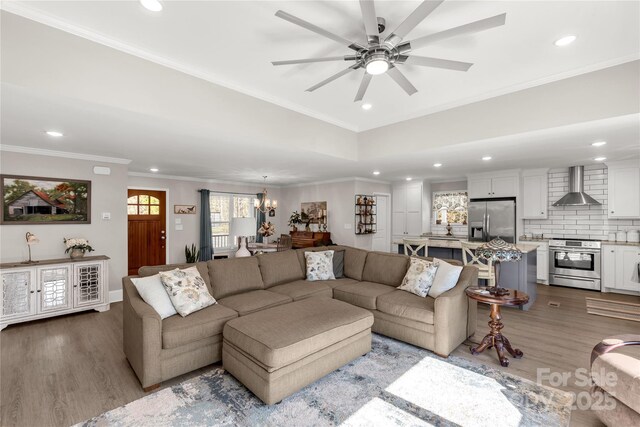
{"x":495,"y":338}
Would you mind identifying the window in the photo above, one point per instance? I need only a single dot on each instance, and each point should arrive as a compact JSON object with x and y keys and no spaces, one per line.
{"x":450,"y":207}
{"x":223,"y":208}
{"x":143,"y":205}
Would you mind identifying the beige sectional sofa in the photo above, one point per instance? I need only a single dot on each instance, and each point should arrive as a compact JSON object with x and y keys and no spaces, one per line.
{"x":162,"y":349}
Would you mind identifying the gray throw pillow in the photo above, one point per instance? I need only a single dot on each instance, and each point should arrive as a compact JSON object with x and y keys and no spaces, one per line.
{"x":338,"y":264}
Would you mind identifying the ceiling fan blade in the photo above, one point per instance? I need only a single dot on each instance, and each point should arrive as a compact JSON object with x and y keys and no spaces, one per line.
{"x":364,"y":84}
{"x":311,"y":60}
{"x":473,"y":27}
{"x":309,"y":26}
{"x":402,"y":81}
{"x":416,"y":17}
{"x":332,"y":78}
{"x":370,"y":20}
{"x":437,"y":63}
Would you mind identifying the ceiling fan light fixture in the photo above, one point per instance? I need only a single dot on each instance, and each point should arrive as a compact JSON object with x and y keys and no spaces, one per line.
{"x":152,"y":5}
{"x":377,"y":66}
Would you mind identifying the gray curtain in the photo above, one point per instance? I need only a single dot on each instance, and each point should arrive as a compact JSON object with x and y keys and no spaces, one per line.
{"x":260,"y":218}
{"x":206,"y":247}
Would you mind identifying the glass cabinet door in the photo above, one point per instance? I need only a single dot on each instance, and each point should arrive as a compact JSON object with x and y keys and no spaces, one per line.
{"x":17,"y":293}
{"x":88,"y":286}
{"x":54,"y":285}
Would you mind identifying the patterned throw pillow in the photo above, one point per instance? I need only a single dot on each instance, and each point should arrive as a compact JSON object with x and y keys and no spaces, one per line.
{"x":419,"y":277}
{"x":319,"y":265}
{"x":187,"y":290}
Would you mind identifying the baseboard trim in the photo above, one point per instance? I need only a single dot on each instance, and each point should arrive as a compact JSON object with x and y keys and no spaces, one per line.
{"x":115,"y":296}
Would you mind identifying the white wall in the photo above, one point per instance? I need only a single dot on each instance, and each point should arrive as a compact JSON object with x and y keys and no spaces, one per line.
{"x":182,"y":192}
{"x":579,"y":222}
{"x":340,"y":198}
{"x":108,"y":194}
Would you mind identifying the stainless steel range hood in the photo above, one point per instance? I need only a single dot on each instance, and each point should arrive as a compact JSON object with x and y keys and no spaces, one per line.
{"x":576,"y":195}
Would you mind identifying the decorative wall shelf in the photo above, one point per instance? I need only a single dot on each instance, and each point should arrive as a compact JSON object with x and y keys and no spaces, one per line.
{"x":53,"y":287}
{"x":366,"y":214}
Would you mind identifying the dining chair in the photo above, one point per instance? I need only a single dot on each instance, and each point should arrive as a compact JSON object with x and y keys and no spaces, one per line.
{"x":485,"y":267}
{"x":284,"y":243}
{"x":413,"y":246}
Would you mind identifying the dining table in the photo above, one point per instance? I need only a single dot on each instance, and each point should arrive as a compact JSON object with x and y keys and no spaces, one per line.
{"x":255,"y":248}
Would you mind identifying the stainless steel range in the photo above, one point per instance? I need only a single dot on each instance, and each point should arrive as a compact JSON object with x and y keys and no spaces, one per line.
{"x":575,"y":263}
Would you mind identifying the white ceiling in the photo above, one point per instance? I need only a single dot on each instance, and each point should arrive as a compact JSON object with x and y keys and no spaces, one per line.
{"x":232,"y":43}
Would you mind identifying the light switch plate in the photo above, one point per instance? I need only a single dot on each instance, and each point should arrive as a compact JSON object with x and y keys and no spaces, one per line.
{"x":179,"y":227}
{"x":106,"y":216}
{"x":178,"y":220}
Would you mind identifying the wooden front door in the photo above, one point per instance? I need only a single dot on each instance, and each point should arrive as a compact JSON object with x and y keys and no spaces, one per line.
{"x":147,"y":239}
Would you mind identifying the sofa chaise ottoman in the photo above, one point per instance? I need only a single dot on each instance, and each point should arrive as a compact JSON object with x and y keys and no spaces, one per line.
{"x":278,"y":351}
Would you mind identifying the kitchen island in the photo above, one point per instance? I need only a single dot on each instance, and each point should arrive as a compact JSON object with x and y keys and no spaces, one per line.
{"x":519,"y":275}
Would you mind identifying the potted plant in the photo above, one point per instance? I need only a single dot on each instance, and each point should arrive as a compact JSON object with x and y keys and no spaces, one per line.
{"x":294,"y":220}
{"x":192,"y":254}
{"x":76,"y":247}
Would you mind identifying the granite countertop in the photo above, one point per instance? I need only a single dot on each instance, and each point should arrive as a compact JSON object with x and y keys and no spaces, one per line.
{"x":454,"y":243}
{"x":613,"y":242}
{"x":604,"y":242}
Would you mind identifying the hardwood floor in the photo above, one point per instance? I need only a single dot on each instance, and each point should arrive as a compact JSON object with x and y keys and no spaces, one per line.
{"x":61,"y":371}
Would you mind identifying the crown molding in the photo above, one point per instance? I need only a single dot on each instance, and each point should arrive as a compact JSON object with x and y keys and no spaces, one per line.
{"x":336,"y":181}
{"x":204,"y":180}
{"x":33,"y":14}
{"x":64,"y":154}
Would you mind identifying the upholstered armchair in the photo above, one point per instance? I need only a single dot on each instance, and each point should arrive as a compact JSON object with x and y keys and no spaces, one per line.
{"x":621,"y":390}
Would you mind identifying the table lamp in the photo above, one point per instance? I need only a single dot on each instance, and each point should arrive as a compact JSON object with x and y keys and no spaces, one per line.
{"x":240,"y":229}
{"x":31,"y":240}
{"x":499,"y":251}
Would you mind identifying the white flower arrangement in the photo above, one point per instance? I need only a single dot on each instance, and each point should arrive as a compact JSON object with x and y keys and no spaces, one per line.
{"x":77,"y":243}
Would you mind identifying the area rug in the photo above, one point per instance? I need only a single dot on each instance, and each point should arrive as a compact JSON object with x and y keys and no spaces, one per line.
{"x":395,"y":384}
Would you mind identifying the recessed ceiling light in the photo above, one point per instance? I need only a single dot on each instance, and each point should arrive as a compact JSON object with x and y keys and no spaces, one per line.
{"x":437,"y":165}
{"x":409,"y":178}
{"x":152,"y":5}
{"x":485,"y":158}
{"x":376,"y":172}
{"x":599,"y":143}
{"x":54,"y":133}
{"x":154,"y":169}
{"x":366,"y":106}
{"x":600,"y":159}
{"x":566,"y":40}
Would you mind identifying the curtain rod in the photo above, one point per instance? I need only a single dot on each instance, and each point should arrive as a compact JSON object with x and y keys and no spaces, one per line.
{"x":229,"y":192}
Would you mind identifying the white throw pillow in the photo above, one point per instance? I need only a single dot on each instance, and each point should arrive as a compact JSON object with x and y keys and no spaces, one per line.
{"x":446,"y":278}
{"x":419,"y":277}
{"x":319,"y":265}
{"x":187,"y":290}
{"x":153,"y":293}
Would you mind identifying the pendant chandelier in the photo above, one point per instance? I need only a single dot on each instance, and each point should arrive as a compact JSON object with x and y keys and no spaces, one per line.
{"x":265,"y":205}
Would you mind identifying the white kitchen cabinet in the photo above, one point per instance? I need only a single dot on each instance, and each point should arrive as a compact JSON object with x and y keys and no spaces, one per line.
{"x":482,"y":187}
{"x":53,"y":287}
{"x":479,"y":188}
{"x":406,"y":216}
{"x":618,"y":264}
{"x":542,"y":259}
{"x":623,"y":189}
{"x":535,"y":194}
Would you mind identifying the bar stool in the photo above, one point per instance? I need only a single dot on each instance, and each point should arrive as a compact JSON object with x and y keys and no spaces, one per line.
{"x":413,"y":246}
{"x":485,"y":269}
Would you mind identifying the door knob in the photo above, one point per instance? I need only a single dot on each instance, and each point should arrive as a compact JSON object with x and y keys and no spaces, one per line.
{"x":611,"y":211}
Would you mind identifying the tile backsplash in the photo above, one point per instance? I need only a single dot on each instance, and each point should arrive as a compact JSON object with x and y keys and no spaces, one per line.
{"x":579,"y":222}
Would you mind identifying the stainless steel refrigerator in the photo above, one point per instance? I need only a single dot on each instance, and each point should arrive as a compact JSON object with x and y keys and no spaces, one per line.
{"x":491,"y":218}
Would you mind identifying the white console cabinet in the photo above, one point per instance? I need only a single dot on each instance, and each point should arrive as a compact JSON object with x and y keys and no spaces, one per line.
{"x":53,"y":287}
{"x":618,"y":263}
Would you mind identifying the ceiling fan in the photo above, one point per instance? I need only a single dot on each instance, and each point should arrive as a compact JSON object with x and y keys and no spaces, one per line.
{"x":383,"y":56}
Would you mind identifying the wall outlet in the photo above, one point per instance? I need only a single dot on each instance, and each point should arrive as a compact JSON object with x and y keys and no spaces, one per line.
{"x":347,"y":226}
{"x":106,"y":216}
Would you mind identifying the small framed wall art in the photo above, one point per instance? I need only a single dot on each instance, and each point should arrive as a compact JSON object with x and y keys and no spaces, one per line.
{"x":184,"y":209}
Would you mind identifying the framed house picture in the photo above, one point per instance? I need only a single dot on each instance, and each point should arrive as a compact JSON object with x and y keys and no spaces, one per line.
{"x":36,"y":200}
